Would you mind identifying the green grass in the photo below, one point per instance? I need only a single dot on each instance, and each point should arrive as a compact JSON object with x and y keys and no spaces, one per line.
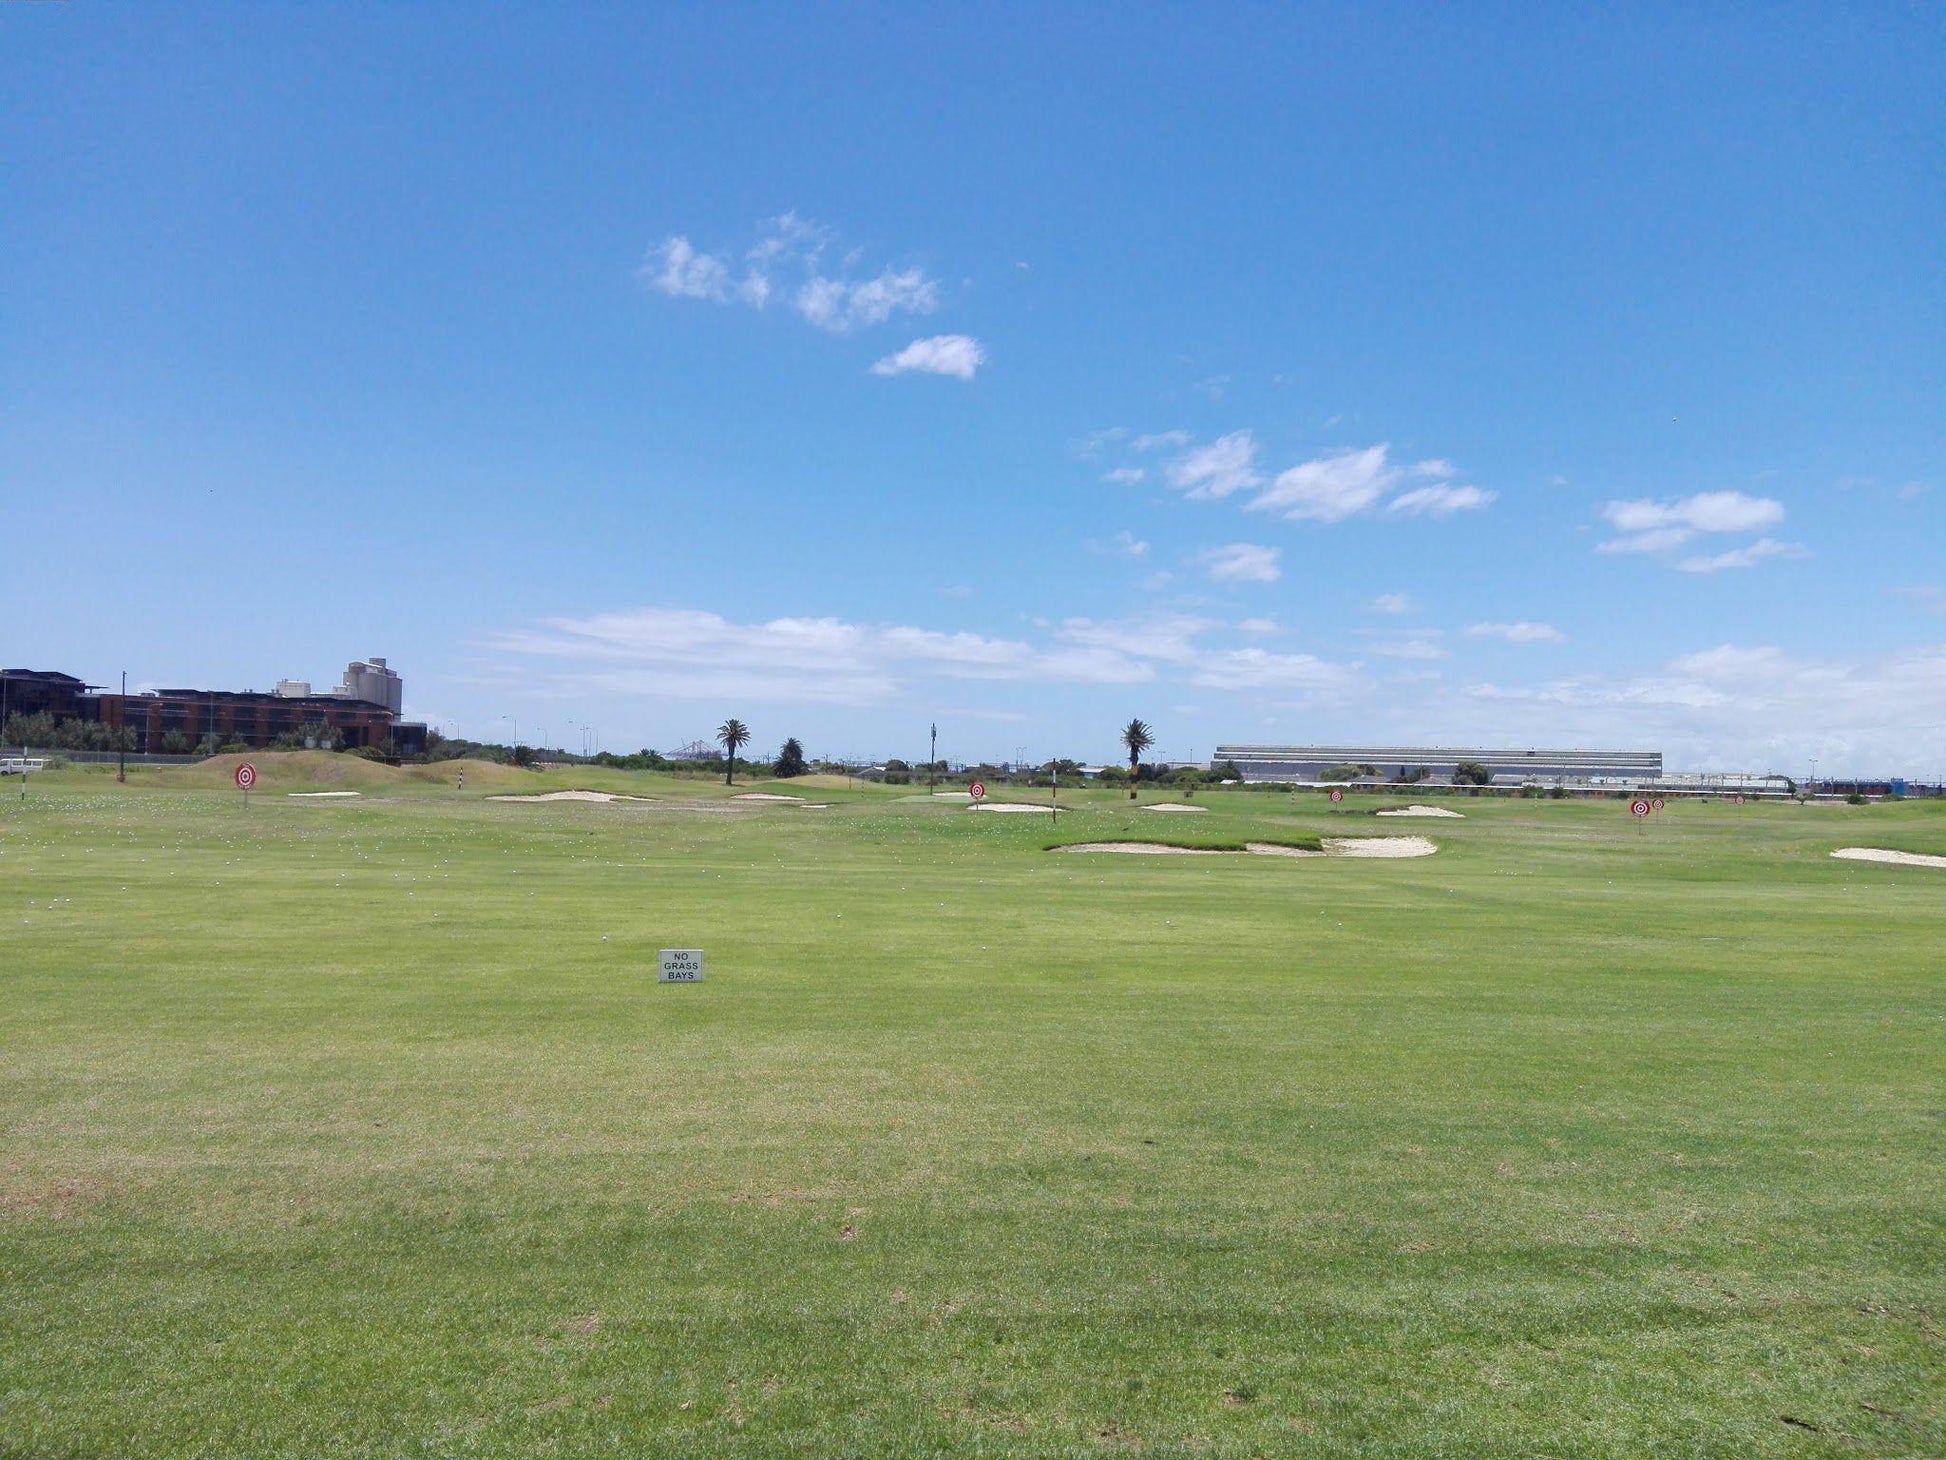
{"x":361,"y":1128}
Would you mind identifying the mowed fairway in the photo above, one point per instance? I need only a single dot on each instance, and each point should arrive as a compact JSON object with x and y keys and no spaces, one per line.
{"x":361,"y":1128}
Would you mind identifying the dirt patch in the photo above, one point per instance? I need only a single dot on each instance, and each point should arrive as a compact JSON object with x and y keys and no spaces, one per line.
{"x":1882,"y":854}
{"x":572,"y":796}
{"x":1174,"y":806}
{"x":1417,"y":810}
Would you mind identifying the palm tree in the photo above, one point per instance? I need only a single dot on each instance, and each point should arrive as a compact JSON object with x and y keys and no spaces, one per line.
{"x":734,"y":735}
{"x":1138,"y":738}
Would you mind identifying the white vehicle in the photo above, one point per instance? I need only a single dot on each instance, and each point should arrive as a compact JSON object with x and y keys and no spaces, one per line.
{"x":21,"y":765}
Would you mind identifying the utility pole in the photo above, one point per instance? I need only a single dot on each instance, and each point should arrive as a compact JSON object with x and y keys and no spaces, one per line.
{"x":121,"y":737}
{"x":932,"y":760}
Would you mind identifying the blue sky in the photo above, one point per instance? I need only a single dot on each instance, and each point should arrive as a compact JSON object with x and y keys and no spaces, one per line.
{"x":1508,"y":374}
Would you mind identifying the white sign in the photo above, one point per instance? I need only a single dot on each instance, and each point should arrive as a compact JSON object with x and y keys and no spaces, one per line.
{"x":682,"y":965}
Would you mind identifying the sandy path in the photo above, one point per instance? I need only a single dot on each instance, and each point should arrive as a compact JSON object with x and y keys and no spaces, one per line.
{"x":1417,"y":810}
{"x":1882,"y":854}
{"x":572,"y":796}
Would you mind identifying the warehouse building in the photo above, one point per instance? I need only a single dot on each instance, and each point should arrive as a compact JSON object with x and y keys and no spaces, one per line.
{"x":1309,"y":763}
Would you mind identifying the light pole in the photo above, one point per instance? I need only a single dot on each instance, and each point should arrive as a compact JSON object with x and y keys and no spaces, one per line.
{"x":932,"y":760}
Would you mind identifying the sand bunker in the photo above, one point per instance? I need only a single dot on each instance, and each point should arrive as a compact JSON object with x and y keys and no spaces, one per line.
{"x":953,"y":795}
{"x":1417,"y":810}
{"x":1881,"y":854}
{"x":766,"y":796}
{"x":322,"y":795}
{"x":1008,"y":806}
{"x":572,"y":796}
{"x":1333,"y":846}
{"x":1173,"y":806}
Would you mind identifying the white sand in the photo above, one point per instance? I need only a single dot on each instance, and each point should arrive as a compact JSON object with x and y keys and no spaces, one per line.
{"x":1174,"y":806}
{"x":1146,"y":849}
{"x":953,"y":795}
{"x":1008,"y":806}
{"x":1881,"y":854}
{"x":572,"y":796}
{"x":765,"y":796}
{"x":322,"y":795}
{"x":1334,"y":846}
{"x":1378,"y":846}
{"x":1417,"y":810}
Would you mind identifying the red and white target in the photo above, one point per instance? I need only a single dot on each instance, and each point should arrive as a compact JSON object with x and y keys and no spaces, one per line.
{"x":979,"y":790}
{"x":1639,"y":809}
{"x":246,"y":776}
{"x":1739,"y":800}
{"x":1657,"y":804}
{"x":1336,"y":794}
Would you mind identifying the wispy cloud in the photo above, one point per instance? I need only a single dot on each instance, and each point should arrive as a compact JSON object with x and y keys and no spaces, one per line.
{"x":955,"y":355}
{"x":1241,"y":562}
{"x":1440,"y":501}
{"x":1744,"y":557}
{"x":1393,"y":603}
{"x":1121,"y":545}
{"x":696,"y":654}
{"x":789,"y":261}
{"x":1735,"y":707}
{"x":1258,"y":669}
{"x":1523,"y":632}
{"x":1226,"y":465}
{"x":1649,"y":525}
{"x":1126,"y":476}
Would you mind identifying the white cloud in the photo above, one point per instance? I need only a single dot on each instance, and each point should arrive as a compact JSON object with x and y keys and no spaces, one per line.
{"x":1241,"y":562}
{"x":1440,"y":501}
{"x":1126,"y":476}
{"x":1329,"y":488}
{"x":1121,"y":545}
{"x":1343,"y":484}
{"x":692,"y":654}
{"x":1523,"y":632}
{"x":1393,"y":603}
{"x":1704,"y":512}
{"x":1257,"y":625}
{"x":836,"y":305}
{"x":678,"y":270}
{"x":1226,"y":465}
{"x":955,"y":355}
{"x":1258,"y":669}
{"x":1411,"y":648}
{"x":1167,"y":637}
{"x":788,"y":260}
{"x":1738,"y":708}
{"x":1646,"y":525}
{"x":1161,"y":439}
{"x":1658,"y":540}
{"x":1744,"y":557}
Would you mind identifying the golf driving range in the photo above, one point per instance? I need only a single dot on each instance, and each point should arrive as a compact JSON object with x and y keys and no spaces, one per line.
{"x":361,"y":1124}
